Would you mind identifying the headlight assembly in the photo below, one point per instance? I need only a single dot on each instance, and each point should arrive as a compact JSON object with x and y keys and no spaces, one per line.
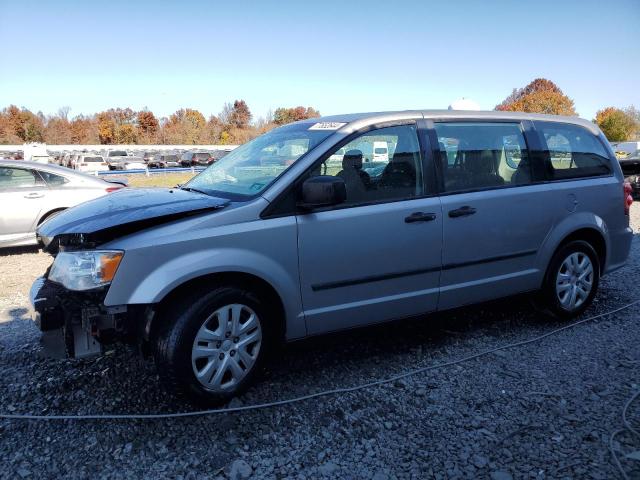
{"x":85,"y":270}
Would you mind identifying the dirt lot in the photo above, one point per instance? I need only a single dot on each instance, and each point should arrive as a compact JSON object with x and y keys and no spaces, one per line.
{"x":542,"y":410}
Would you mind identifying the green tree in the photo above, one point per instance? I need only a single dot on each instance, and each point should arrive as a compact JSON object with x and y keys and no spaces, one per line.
{"x":283,"y":115}
{"x":539,"y":96}
{"x":616,"y":124}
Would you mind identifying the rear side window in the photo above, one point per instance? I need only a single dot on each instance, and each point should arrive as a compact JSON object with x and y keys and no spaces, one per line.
{"x":572,"y":152}
{"x":52,"y":178}
{"x":479,"y":155}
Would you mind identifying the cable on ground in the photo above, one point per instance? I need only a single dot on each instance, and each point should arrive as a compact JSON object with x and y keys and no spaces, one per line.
{"x":335,"y":391}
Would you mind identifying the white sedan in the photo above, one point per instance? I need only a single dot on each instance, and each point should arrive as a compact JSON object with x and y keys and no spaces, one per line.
{"x":31,"y":192}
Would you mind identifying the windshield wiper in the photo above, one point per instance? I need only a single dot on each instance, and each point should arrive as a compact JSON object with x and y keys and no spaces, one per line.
{"x":191,"y":189}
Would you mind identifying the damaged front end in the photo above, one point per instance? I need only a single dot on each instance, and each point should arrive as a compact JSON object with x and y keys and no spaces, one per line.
{"x":68,"y":302}
{"x":78,"y":324}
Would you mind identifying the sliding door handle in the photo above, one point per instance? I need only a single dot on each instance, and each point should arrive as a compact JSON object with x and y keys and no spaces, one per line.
{"x":462,"y":211}
{"x":420,"y":217}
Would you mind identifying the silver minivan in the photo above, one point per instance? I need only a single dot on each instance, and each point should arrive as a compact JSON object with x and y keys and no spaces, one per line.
{"x":298,"y":233}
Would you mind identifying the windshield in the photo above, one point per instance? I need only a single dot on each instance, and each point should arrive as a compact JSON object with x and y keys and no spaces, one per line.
{"x":250,"y":168}
{"x":93,"y":159}
{"x":118,"y":153}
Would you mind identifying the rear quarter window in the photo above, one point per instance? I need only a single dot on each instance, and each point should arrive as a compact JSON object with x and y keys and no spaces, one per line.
{"x":572,"y":151}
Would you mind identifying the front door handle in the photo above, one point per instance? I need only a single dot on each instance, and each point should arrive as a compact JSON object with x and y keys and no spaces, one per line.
{"x":34,"y":195}
{"x":462,"y":211}
{"x":420,"y":217}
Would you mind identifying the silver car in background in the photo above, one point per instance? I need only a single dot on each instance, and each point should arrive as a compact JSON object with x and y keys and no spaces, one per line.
{"x":31,"y":192}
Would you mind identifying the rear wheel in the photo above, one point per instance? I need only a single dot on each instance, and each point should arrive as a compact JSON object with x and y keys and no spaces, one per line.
{"x":212,"y":345}
{"x":572,"y":280}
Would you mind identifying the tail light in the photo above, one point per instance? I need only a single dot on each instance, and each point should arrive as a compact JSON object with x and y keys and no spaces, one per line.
{"x":628,"y":197}
{"x":112,"y":189}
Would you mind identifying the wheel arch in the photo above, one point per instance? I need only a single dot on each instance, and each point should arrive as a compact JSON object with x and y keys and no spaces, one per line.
{"x":584,"y":226}
{"x":265,"y":291}
{"x":594,"y":238}
{"x":50,"y":213}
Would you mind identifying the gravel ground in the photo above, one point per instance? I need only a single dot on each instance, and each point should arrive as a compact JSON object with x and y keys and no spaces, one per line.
{"x":543,"y":410}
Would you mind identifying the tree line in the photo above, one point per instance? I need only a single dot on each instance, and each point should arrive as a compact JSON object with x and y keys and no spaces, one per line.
{"x":235,"y":124}
{"x":544,"y":96}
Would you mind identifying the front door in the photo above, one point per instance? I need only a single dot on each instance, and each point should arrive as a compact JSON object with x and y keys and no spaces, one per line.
{"x":376,"y":257}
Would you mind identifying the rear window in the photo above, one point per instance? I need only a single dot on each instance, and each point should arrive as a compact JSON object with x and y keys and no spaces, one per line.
{"x":572,"y":152}
{"x":380,"y":151}
{"x":93,"y":159}
{"x":186,"y":156}
{"x":202,"y":156}
{"x":118,"y":153}
{"x":52,"y":178}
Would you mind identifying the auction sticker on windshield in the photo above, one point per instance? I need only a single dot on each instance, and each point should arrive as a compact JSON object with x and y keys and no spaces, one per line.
{"x":326,"y":126}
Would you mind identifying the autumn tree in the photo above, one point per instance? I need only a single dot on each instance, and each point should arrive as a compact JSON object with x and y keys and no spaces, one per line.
{"x":540,"y":96}
{"x":634,"y":113}
{"x":84,"y":130}
{"x":58,"y":131}
{"x":7,"y":133}
{"x":283,"y":116}
{"x":238,"y":115}
{"x":185,"y":126}
{"x":616,"y":124}
{"x":116,"y":125}
{"x":24,"y":124}
{"x":147,"y":126}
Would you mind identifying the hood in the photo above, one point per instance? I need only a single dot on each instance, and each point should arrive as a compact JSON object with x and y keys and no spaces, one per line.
{"x":122,"y":213}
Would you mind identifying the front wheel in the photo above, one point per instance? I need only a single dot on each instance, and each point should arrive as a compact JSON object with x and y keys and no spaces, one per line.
{"x":572,"y":280}
{"x":211,"y":346}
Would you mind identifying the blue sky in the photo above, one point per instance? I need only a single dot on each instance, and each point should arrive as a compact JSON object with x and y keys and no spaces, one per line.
{"x":337,"y":56}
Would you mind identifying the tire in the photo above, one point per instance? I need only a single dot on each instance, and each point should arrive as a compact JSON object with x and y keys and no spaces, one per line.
{"x":567,"y":278}
{"x":194,"y":337}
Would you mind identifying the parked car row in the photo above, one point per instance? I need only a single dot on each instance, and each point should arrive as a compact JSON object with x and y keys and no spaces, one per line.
{"x":96,"y":161}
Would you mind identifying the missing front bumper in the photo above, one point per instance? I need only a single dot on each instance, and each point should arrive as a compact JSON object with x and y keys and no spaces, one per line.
{"x":73,"y":324}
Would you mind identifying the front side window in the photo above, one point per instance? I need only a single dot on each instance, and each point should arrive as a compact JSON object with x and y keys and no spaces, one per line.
{"x":16,"y":178}
{"x":249,"y":169}
{"x":478,"y":155}
{"x":370,"y":177}
{"x":572,"y":152}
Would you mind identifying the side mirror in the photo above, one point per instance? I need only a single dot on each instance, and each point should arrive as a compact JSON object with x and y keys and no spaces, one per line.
{"x":323,"y":191}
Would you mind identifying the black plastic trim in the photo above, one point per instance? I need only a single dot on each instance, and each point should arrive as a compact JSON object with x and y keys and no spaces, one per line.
{"x":408,"y":273}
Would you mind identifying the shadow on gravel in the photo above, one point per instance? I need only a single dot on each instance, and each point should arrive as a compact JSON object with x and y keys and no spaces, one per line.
{"x":5,"y":252}
{"x":123,"y":381}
